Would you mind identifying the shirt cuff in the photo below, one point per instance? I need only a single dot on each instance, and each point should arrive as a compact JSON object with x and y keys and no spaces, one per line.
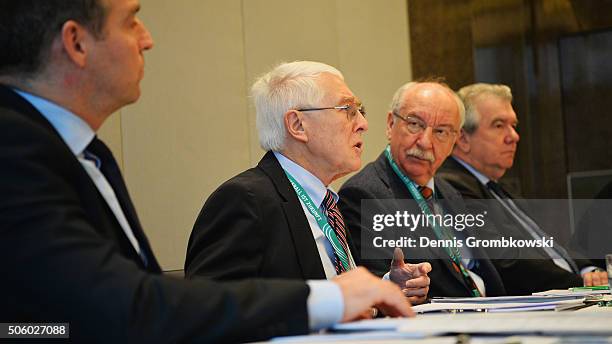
{"x":325,"y":304}
{"x":590,"y":269}
{"x":387,"y":276}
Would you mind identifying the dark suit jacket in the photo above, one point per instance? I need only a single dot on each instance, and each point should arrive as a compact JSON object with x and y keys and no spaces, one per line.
{"x":593,"y":234}
{"x":254,"y":226}
{"x":66,"y":259}
{"x":378,"y":181}
{"x":521,"y":276}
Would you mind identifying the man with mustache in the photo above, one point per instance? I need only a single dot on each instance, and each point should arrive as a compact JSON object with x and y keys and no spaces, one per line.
{"x":422,"y":126}
{"x":482,"y":154}
{"x":280,"y":219}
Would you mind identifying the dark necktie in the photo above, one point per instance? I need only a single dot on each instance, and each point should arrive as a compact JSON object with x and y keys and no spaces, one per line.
{"x":336,"y":221}
{"x":530,"y":225}
{"x":107,"y":164}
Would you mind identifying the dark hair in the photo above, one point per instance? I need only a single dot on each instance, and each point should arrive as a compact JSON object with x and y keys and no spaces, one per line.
{"x":28,"y":27}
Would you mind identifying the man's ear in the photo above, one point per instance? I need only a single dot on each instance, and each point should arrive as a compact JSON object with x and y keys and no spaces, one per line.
{"x":75,"y":41}
{"x":295,"y":126}
{"x":464,"y":142}
{"x":390,"y":120}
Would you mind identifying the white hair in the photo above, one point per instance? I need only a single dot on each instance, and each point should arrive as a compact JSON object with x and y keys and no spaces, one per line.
{"x":469,"y":94}
{"x":398,"y":101}
{"x":288,"y":86}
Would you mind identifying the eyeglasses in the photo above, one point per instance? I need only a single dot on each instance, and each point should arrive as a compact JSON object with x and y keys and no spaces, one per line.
{"x":351,"y":110}
{"x":416,"y":125}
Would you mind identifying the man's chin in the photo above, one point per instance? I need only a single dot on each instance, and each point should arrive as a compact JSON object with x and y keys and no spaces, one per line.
{"x":418,"y":175}
{"x":133,"y":97}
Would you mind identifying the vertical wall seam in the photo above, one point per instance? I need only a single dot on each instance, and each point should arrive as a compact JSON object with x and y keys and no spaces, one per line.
{"x":246,"y":84}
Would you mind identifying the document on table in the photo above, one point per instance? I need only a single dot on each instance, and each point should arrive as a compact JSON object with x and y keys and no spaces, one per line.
{"x":567,"y":292}
{"x":549,"y":323}
{"x":497,"y":306}
{"x":350,"y":337}
{"x":509,"y":299}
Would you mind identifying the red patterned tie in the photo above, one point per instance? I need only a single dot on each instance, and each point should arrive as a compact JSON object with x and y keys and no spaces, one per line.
{"x":336,"y":221}
{"x":426,"y":192}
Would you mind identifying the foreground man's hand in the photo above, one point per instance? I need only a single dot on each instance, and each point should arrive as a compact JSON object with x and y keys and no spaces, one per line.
{"x":411,"y":278}
{"x":362,"y":291}
{"x":595,"y":278}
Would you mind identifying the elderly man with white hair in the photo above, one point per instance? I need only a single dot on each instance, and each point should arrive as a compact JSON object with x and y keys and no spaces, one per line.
{"x":280,"y":219}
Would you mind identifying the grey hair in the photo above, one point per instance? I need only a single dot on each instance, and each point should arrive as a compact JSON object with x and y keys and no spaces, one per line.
{"x":469,"y":94}
{"x":288,"y":86}
{"x":397,"y":103}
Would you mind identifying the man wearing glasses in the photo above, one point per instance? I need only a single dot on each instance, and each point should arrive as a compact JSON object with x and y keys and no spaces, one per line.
{"x":422,"y":126}
{"x":280,"y":219}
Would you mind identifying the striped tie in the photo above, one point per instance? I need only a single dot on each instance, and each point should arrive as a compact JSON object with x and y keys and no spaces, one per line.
{"x":336,"y":221}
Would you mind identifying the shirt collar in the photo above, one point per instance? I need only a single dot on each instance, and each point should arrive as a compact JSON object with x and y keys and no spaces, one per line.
{"x":481,"y":177}
{"x":311,"y":184}
{"x":430,"y":184}
{"x":75,"y":132}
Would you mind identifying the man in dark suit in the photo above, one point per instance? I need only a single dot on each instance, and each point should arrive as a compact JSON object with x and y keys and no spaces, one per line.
{"x":70,"y":241}
{"x":263,"y":222}
{"x":421,"y":128}
{"x":481,"y":156}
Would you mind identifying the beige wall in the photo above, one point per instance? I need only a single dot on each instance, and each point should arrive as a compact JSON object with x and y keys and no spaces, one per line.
{"x":194,"y":127}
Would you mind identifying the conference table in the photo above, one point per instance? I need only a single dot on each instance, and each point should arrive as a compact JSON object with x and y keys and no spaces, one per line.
{"x":592,"y":324}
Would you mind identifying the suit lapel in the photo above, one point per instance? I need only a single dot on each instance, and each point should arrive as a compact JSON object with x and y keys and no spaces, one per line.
{"x":301,"y":234}
{"x":20,"y":105}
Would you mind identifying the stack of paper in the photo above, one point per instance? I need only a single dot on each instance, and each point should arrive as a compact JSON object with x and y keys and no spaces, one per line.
{"x":508,"y":299}
{"x":498,"y":307}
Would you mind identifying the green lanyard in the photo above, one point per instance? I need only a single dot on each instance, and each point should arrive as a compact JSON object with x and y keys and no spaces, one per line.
{"x":321,"y":221}
{"x":454,"y":254}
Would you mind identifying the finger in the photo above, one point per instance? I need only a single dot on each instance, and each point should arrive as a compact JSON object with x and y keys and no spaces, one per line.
{"x":417,"y":300}
{"x":587,"y":279}
{"x":365,"y":315}
{"x":598,"y":278}
{"x":424,"y":268}
{"x":393,"y":302}
{"x":415,"y":292}
{"x":398,"y":258}
{"x":419,"y":282}
{"x":394,"y":311}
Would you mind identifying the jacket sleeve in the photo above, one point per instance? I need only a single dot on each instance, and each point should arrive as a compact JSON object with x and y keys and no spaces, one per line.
{"x":227,"y":242}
